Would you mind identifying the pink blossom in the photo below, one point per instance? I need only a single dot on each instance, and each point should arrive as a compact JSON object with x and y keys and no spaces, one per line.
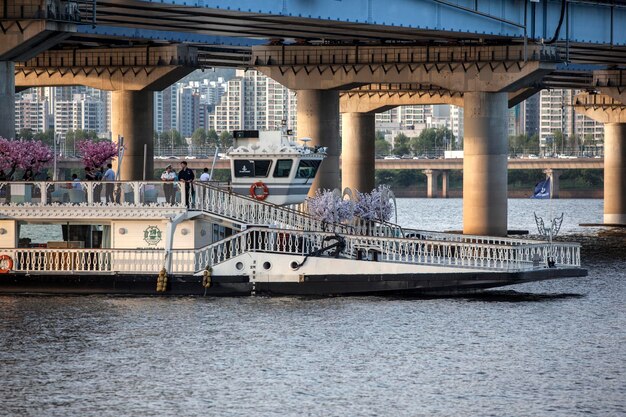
{"x":23,"y":154}
{"x":96,"y":154}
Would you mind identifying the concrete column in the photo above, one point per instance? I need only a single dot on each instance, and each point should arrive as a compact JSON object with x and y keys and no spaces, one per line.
{"x":485,"y":164}
{"x":358,"y":134}
{"x":615,"y":173}
{"x":7,"y":99}
{"x":318,"y":119}
{"x":554,"y":176}
{"x":132,"y":117}
{"x":431,"y":183}
{"x":445,"y":184}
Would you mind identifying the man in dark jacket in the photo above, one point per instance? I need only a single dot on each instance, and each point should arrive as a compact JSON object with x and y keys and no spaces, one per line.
{"x":187,"y":176}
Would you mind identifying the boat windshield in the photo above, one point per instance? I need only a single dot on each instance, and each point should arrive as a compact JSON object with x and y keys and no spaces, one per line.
{"x":283,"y":168}
{"x":307,"y":168}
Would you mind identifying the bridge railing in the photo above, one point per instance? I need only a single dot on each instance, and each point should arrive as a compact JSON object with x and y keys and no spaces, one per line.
{"x":62,"y":11}
{"x":367,"y":55}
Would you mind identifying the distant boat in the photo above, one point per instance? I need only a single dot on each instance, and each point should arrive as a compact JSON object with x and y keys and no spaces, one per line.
{"x":542,"y":189}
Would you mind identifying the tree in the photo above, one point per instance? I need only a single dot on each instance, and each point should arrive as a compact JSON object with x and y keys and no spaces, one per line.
{"x":199,"y":137}
{"x":374,"y":206}
{"x":25,"y":134}
{"x":382,"y":147}
{"x":431,"y":139}
{"x":328,"y":206}
{"x":170,"y":139}
{"x":72,"y":137}
{"x":46,"y":137}
{"x":27,"y":154}
{"x":401,"y":145}
{"x":96,"y":153}
{"x":517,"y":144}
{"x":213,"y":138}
{"x":558,"y":141}
{"x":226,"y":139}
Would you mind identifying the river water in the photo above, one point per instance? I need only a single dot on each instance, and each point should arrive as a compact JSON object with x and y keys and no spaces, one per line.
{"x":556,"y":348}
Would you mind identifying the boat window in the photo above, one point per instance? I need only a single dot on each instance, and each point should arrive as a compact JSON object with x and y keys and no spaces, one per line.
{"x":244,"y":168}
{"x":283,"y":167}
{"x":307,"y":168}
{"x":247,"y":168}
{"x":262,"y":167}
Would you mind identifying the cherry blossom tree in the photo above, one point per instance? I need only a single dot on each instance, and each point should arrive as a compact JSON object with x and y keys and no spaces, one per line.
{"x":328,"y":206}
{"x":96,"y":153}
{"x":23,"y":154}
{"x":374,"y":206}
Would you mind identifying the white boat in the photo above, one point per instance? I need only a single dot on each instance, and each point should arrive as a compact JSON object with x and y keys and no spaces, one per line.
{"x":226,"y":243}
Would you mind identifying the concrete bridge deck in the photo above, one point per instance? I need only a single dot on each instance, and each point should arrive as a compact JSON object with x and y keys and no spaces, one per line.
{"x":419,"y":164}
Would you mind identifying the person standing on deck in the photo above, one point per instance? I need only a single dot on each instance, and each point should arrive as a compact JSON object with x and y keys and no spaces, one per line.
{"x":169,"y":176}
{"x":109,"y":175}
{"x":205,"y":175}
{"x":188,"y":176}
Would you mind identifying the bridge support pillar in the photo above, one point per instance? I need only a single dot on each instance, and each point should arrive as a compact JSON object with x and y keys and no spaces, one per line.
{"x":445,"y":184}
{"x":7,"y":99}
{"x":358,"y":132}
{"x":485,"y":164}
{"x":606,"y":109}
{"x":554,"y":176}
{"x":132,"y":117}
{"x":431,"y":183}
{"x":615,"y":173}
{"x":318,"y":119}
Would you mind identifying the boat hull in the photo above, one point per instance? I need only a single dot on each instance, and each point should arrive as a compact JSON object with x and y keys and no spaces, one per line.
{"x":427,"y":284}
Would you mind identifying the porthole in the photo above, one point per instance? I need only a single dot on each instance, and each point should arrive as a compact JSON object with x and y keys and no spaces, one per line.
{"x":239,"y":266}
{"x":266,"y":265}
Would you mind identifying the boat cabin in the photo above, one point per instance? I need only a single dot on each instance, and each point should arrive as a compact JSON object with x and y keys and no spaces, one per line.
{"x":270,"y":166}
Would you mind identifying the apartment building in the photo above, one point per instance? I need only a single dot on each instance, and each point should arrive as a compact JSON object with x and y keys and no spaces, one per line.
{"x":32,"y":112}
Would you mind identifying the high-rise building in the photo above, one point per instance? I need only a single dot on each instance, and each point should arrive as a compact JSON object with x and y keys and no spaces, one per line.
{"x":187,"y":106}
{"x":456,"y":122}
{"x":31,"y":112}
{"x":253,"y":101}
{"x":81,"y":112}
{"x":557,"y":115}
{"x":530,"y":115}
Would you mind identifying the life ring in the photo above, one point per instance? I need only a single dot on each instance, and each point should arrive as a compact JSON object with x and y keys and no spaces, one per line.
{"x":9,"y":263}
{"x":264,"y":191}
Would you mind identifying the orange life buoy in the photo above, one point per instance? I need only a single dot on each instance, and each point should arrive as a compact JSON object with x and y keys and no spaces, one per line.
{"x":264,"y":191}
{"x":9,"y":263}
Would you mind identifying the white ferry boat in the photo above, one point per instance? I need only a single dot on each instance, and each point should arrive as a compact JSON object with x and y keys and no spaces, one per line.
{"x":242,"y":239}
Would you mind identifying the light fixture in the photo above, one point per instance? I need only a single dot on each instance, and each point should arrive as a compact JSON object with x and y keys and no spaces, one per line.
{"x":122,"y":231}
{"x":3,"y":231}
{"x":184,"y":232}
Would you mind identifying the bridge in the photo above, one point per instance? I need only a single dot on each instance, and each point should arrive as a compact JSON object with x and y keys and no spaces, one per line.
{"x":350,"y":57}
{"x":432,"y":168}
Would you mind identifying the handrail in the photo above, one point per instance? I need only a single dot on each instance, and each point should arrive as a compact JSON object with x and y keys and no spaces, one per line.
{"x":398,"y":250}
{"x":242,"y":208}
